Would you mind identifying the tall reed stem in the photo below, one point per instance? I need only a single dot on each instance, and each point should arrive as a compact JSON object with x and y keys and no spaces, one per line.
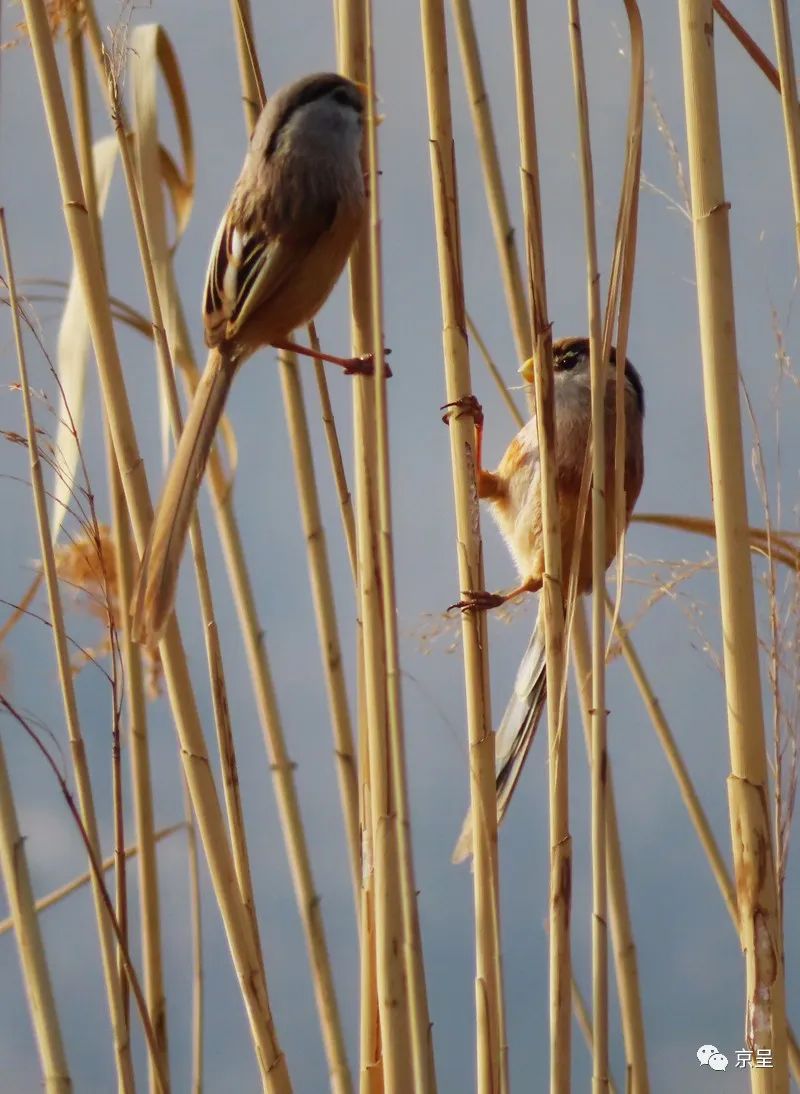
{"x":756,"y":882}
{"x":553,"y":591}
{"x":490,"y":1041}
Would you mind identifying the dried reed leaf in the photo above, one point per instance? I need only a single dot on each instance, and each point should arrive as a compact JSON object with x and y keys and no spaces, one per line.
{"x":73,"y":355}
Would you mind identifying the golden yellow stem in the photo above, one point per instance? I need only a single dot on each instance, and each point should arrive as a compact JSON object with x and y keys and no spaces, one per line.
{"x":491,"y":1041}
{"x":756,"y":883}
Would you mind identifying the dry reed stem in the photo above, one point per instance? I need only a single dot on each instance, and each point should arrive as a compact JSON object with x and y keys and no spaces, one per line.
{"x":421,"y":1032}
{"x":756,"y":882}
{"x":387,"y":883}
{"x":254,"y":96}
{"x":121,"y":1039}
{"x":496,"y":199}
{"x":598,"y":751}
{"x":289,"y":810}
{"x":324,"y":608}
{"x":584,"y":1021}
{"x":621,"y":929}
{"x":322,"y":590}
{"x":490,"y":1039}
{"x":216,"y":672}
{"x":35,"y":973}
{"x":193,"y":750}
{"x":620,"y":282}
{"x":196,"y":921}
{"x":253,"y":92}
{"x":553,"y":592}
{"x":150,"y":919}
{"x":748,"y":44}
{"x":688,"y":793}
{"x":495,"y":374}
{"x":791,"y":107}
{"x":117,"y":637}
{"x":63,"y":891}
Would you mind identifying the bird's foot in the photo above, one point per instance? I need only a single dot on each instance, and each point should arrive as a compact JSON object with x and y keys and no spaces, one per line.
{"x":365,"y":365}
{"x":479,"y":601}
{"x":468,"y":404}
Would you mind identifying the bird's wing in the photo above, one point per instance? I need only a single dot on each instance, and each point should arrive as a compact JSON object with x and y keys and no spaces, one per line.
{"x":516,"y":730}
{"x":247,"y":267}
{"x":258,"y":251}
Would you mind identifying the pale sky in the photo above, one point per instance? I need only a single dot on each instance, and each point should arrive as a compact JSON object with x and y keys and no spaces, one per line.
{"x":689,"y":962}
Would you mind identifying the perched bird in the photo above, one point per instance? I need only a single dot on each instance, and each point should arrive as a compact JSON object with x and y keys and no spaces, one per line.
{"x":513,"y":492}
{"x":286,"y":235}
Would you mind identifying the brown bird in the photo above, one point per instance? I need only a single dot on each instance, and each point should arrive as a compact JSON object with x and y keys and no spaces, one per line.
{"x":513,"y":491}
{"x":286,"y":235}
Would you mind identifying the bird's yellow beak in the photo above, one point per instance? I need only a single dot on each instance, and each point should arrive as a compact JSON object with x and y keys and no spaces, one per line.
{"x":526,"y":371}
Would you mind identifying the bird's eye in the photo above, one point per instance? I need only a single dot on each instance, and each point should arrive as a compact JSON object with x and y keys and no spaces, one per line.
{"x":567,"y":361}
{"x":342,"y":96}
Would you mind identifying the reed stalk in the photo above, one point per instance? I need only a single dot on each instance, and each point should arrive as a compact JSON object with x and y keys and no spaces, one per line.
{"x":196,"y":920}
{"x":149,"y":912}
{"x":225,"y":743}
{"x":754,"y":864}
{"x":782,"y":28}
{"x":491,"y":1049}
{"x":397,"y":1045}
{"x":324,"y":608}
{"x":119,"y":1029}
{"x":553,"y":592}
{"x":598,"y":752}
{"x":63,"y":891}
{"x":35,"y":973}
{"x":689,"y":795}
{"x":624,"y":944}
{"x":193,"y":749}
{"x":494,"y":189}
{"x":421,"y":1032}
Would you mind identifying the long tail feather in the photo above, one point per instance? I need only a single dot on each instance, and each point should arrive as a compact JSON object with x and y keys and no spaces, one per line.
{"x":158,"y":576}
{"x":516,"y":731}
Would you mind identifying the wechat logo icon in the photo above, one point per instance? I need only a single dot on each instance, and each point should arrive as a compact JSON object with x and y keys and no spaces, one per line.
{"x":710,"y":1056}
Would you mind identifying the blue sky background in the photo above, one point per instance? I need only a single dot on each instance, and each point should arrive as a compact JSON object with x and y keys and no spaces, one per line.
{"x":690,"y":966}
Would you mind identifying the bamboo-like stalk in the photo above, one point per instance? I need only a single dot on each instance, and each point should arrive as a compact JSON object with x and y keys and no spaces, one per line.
{"x":122,"y":1048}
{"x":791,"y":107}
{"x":324,"y":607}
{"x":120,"y":642}
{"x":748,"y":44}
{"x":35,"y":973}
{"x":621,"y":930}
{"x":584,"y":1021}
{"x":198,"y":999}
{"x":553,"y":592}
{"x":219,"y":697}
{"x":492,"y":177}
{"x":63,"y":891}
{"x":689,"y":795}
{"x":149,"y":910}
{"x":308,"y":901}
{"x":254,"y":96}
{"x":253,"y":92}
{"x":598,"y":751}
{"x":141,"y":788}
{"x":194,"y":754}
{"x":490,"y":1040}
{"x":756,"y":882}
{"x":421,"y":1033}
{"x":387,"y":886}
